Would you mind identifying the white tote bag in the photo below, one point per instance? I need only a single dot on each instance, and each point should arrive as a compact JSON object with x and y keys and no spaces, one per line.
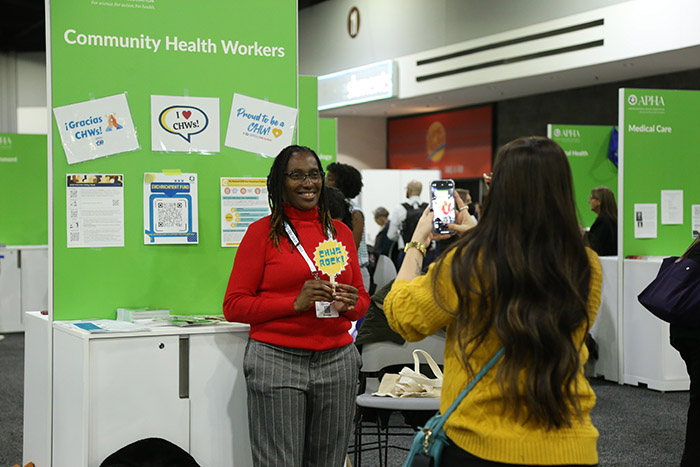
{"x":410,"y":382}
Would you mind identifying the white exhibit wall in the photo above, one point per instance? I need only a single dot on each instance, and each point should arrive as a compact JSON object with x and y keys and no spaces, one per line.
{"x":362,"y":142}
{"x":387,"y":188}
{"x":23,"y":93}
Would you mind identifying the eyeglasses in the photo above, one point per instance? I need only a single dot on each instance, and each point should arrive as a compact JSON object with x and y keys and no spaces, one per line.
{"x":301,"y":177}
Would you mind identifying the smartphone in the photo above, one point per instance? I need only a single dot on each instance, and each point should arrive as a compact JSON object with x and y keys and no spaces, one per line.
{"x":443,"y":205}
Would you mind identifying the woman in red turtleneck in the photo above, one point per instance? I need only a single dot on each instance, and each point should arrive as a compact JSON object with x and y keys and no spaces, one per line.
{"x":301,"y":370}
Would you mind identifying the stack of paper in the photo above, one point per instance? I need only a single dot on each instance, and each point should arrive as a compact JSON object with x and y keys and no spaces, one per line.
{"x":103,"y":325}
{"x":133,"y":314}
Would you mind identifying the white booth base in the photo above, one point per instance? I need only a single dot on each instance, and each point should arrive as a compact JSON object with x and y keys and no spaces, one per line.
{"x":605,"y":328}
{"x":185,"y":385}
{"x":649,"y":357}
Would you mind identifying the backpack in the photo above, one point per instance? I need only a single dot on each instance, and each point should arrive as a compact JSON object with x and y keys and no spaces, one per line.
{"x":412,"y":218}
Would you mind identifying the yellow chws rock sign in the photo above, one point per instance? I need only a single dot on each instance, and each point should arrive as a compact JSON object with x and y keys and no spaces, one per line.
{"x":331,"y":257}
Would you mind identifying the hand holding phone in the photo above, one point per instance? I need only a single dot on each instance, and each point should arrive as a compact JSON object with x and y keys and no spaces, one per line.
{"x":443,"y":205}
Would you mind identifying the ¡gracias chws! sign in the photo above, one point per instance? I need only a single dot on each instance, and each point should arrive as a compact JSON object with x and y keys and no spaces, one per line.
{"x":200,"y":45}
{"x":96,"y":128}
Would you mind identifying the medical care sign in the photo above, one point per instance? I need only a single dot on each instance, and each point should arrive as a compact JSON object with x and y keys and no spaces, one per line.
{"x":96,"y":128}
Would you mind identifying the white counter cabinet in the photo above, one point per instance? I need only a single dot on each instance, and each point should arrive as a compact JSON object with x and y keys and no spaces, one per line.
{"x":606,"y":328}
{"x":185,"y":385}
{"x":649,"y":357}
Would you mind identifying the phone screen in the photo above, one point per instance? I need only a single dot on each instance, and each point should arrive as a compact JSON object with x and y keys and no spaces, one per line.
{"x":443,"y":203}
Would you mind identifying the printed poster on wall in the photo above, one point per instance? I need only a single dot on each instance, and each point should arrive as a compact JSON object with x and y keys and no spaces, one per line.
{"x":259,"y":126}
{"x":695,"y":221}
{"x":170,"y":209}
{"x":672,"y":206}
{"x":95,"y":210}
{"x":185,"y":124}
{"x":243,"y":201}
{"x":96,"y":128}
{"x":645,"y":220}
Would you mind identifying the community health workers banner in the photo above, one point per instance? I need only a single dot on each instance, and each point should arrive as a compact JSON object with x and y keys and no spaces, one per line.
{"x":659,"y":153}
{"x":586,"y":147}
{"x":142,"y":90}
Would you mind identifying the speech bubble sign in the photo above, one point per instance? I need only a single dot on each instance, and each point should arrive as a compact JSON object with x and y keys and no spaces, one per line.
{"x":331,"y":257}
{"x":183,"y":120}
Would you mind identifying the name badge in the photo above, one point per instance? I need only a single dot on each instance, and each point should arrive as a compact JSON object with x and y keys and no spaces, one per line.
{"x":326,"y":310}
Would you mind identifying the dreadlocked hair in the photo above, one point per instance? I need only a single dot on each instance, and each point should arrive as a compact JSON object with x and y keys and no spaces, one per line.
{"x":275,"y":196}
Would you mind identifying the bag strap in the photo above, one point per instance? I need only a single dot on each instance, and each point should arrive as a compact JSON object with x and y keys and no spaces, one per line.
{"x":469,"y":387}
{"x":431,"y":361}
{"x":690,"y":248}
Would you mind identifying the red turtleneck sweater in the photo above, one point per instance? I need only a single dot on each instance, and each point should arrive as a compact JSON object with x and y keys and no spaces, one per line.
{"x":265,"y":281}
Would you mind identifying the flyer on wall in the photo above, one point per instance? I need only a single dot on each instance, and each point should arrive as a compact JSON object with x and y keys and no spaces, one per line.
{"x":94,"y":210}
{"x":170,"y":208}
{"x":695,"y":224}
{"x":243,"y":201}
{"x":645,"y":220}
{"x":672,"y":207}
{"x":96,"y":128}
{"x":259,"y":126}
{"x":185,"y":124}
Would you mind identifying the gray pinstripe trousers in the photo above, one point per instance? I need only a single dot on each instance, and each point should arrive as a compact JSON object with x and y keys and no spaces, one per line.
{"x":300,"y":404}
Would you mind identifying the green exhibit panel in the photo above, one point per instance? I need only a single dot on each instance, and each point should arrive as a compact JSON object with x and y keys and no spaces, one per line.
{"x":327,"y":140}
{"x":307,"y":134}
{"x":586,"y":148}
{"x":183,"y":50}
{"x":658,"y":168}
{"x":23,"y":190}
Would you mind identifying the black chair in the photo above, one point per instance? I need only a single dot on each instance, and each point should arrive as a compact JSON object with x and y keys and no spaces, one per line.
{"x":374,"y":411}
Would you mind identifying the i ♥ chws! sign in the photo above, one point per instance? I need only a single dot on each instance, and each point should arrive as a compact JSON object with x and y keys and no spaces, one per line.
{"x":259,"y":126}
{"x":185,"y":124}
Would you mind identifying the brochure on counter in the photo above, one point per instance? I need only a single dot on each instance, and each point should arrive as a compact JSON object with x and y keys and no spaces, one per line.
{"x":193,"y":320}
{"x":95,"y":326}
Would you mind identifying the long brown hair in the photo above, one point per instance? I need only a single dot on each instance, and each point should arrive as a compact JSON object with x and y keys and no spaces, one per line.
{"x":523,"y":272}
{"x":606,"y":197}
{"x":275,"y":195}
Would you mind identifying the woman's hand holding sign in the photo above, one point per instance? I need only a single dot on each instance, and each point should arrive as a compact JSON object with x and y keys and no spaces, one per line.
{"x":312,"y":291}
{"x":345,"y":297}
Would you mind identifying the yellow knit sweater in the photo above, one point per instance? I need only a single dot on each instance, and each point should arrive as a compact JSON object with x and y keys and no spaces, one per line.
{"x":480,"y":425}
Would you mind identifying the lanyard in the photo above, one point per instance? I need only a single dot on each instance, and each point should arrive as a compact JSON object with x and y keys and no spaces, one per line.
{"x":300,"y":248}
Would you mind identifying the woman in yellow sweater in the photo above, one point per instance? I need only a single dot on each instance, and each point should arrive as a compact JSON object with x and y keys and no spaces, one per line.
{"x":521,"y":279}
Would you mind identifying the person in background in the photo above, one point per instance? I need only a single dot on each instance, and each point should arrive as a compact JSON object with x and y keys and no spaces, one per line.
{"x":686,"y":340}
{"x":349,"y":180}
{"x":477,"y":211}
{"x":467,"y":198}
{"x":521,"y":279}
{"x":602,"y":236}
{"x":401,"y":223}
{"x":338,"y":206}
{"x":301,"y":368}
{"x":382,"y":244}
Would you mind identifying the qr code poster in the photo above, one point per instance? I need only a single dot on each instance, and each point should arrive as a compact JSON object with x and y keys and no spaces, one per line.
{"x":170,"y":209}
